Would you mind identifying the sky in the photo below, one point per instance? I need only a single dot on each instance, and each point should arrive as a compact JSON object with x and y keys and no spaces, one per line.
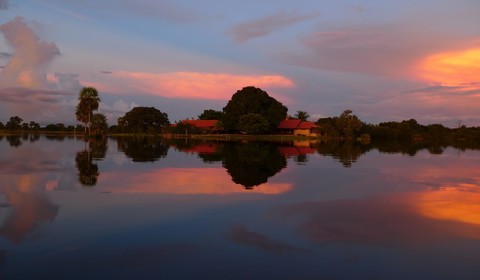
{"x":385,"y":60}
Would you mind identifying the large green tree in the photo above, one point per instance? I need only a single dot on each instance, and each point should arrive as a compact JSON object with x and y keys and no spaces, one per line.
{"x":88,"y":101}
{"x":210,"y":114}
{"x":144,"y":119}
{"x":253,"y":124}
{"x":348,"y":123}
{"x":252,"y":100}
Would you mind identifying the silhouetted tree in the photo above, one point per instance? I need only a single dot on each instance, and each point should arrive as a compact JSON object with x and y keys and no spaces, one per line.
{"x":348,"y":123}
{"x":210,"y":114}
{"x":15,"y":123}
{"x":99,"y":124}
{"x":88,"y":101}
{"x":34,"y":126}
{"x":145,"y":119}
{"x":255,"y":101}
{"x":302,"y":115}
{"x":253,"y":124}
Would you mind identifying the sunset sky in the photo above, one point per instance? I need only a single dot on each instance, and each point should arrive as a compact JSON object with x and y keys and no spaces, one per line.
{"x":386,"y":60}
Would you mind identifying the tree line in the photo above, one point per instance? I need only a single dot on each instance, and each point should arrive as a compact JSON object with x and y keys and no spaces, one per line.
{"x":249,"y":111}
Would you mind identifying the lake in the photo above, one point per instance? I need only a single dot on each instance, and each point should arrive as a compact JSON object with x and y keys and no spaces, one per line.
{"x":150,"y":208}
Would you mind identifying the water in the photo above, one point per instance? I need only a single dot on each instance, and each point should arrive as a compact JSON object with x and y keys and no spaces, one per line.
{"x":157,"y":209}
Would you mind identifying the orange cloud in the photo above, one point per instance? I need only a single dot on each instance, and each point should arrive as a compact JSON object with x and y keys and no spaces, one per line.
{"x":192,"y":181}
{"x":193,"y":84}
{"x":452,"y":68}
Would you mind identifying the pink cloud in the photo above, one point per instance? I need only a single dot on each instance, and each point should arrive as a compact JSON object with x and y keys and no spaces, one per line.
{"x":264,"y":26}
{"x":27,"y":65}
{"x":192,"y":85}
{"x":389,"y":50}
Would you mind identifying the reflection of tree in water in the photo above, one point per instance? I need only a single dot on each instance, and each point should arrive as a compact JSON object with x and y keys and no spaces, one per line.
{"x":98,"y":148}
{"x":34,"y":137}
{"x":301,"y":159}
{"x":14,"y":140}
{"x":87,"y":169}
{"x":2,"y":255}
{"x":141,"y":149}
{"x":251,"y":164}
{"x":346,"y":152}
{"x":208,"y":151}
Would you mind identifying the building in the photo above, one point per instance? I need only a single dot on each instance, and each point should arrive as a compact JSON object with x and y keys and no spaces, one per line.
{"x":298,"y":128}
{"x":205,"y":126}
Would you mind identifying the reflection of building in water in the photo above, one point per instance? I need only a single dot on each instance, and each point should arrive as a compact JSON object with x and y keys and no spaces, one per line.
{"x":289,"y":151}
{"x":29,"y":206}
{"x":202,"y":148}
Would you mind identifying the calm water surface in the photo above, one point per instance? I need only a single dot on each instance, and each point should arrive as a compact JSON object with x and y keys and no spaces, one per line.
{"x":156,"y":209}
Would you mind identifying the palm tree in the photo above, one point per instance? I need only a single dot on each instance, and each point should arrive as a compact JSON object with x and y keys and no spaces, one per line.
{"x":88,"y":102}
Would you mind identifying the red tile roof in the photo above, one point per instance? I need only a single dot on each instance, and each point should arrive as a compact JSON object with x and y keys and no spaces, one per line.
{"x":289,"y":124}
{"x":202,"y":123}
{"x":296,"y":124}
{"x":307,"y":125}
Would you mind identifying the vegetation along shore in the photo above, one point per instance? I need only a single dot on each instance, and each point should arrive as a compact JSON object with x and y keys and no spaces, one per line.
{"x":250,"y":114}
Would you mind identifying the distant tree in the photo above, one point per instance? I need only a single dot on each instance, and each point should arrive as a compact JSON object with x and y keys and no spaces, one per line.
{"x":34,"y":126}
{"x":2,"y":126}
{"x":113,"y":129}
{"x":120,"y":124}
{"x":144,"y":119}
{"x":25,"y":126}
{"x":256,"y":101}
{"x":79,"y":127}
{"x":51,"y":127}
{"x":210,"y":114}
{"x":328,"y":127}
{"x":302,"y":115}
{"x":99,"y":124}
{"x":186,"y":128}
{"x":88,"y":101}
{"x":253,"y":124}
{"x":348,"y":123}
{"x":61,"y":127}
{"x":14,"y":123}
